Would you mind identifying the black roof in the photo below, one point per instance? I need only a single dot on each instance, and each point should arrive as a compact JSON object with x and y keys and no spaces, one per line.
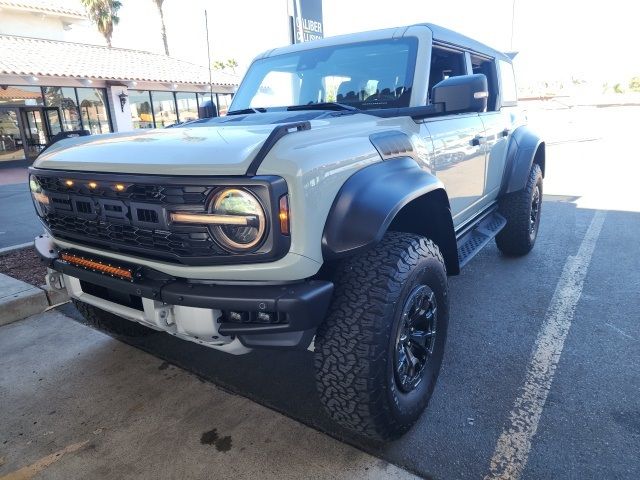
{"x":444,"y":35}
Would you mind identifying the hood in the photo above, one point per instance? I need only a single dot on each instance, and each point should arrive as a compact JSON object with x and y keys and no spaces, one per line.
{"x":221,"y":146}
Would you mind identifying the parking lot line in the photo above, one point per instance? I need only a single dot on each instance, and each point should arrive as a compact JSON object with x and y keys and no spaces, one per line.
{"x":513,"y":446}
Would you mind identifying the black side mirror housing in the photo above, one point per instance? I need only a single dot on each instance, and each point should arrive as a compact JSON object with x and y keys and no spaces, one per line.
{"x":207,"y":109}
{"x":464,"y":93}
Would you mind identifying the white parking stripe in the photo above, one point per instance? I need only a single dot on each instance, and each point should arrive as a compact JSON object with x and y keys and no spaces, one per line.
{"x":512,"y":448}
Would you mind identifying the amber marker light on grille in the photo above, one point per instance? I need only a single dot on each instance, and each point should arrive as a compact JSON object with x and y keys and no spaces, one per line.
{"x":97,"y":266}
{"x":119,"y":187}
{"x":69,"y":183}
{"x":208,"y":219}
{"x":284,"y":215}
{"x":93,"y":184}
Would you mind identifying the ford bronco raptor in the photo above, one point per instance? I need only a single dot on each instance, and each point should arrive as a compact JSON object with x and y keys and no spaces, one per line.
{"x":350,"y":177}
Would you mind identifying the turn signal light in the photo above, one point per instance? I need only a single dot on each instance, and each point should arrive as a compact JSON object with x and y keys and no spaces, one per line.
{"x":119,"y":187}
{"x":93,"y":184}
{"x":69,"y":183}
{"x":283,"y":216}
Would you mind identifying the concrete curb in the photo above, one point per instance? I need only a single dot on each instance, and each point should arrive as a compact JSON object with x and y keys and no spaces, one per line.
{"x":20,"y":300}
{"x":13,"y":248}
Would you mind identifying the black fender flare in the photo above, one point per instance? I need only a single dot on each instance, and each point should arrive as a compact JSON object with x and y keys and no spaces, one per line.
{"x":525,"y":147}
{"x":370,"y":201}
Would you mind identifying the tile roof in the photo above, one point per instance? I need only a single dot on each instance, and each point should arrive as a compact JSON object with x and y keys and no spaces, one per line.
{"x":71,"y":8}
{"x":41,"y":57}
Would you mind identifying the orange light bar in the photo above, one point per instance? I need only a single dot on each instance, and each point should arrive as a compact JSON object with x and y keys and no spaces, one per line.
{"x":97,"y":266}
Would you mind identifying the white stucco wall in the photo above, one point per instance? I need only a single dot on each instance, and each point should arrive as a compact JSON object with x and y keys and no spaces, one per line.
{"x":120,"y":119}
{"x":30,"y":24}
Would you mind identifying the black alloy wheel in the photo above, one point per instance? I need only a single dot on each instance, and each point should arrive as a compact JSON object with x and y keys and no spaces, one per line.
{"x":416,"y":338}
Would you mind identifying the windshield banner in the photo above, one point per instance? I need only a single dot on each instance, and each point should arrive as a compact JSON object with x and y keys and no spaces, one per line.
{"x":307,"y":20}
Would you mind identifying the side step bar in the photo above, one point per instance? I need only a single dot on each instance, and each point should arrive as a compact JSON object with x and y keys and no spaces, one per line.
{"x":475,"y":237}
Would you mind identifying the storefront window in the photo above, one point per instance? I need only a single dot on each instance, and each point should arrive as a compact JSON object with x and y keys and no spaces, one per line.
{"x":20,"y":95}
{"x":141,"y":114}
{"x":93,"y":109}
{"x":224,"y":100}
{"x":65,"y":99}
{"x":164,"y":109}
{"x":187,"y":106}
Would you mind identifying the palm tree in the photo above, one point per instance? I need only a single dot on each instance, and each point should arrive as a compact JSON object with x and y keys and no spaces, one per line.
{"x":164,"y":29}
{"x":104,"y":13}
{"x":232,"y":64}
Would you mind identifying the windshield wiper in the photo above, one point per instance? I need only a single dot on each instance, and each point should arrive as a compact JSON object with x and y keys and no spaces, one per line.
{"x":246,"y":111}
{"x":324,"y":106}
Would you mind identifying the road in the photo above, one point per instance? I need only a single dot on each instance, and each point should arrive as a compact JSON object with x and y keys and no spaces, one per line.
{"x":541,"y":377}
{"x":18,"y":221}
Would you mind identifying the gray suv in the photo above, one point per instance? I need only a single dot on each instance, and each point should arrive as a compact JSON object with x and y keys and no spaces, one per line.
{"x":350,"y":178}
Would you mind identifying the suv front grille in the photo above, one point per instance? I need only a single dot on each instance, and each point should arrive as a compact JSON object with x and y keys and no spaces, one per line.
{"x":130,"y":214}
{"x":129,"y":221}
{"x":129,"y":238}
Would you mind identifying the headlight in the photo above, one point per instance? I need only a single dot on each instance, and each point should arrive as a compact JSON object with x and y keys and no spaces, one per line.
{"x":40,"y":199}
{"x":250,"y":228}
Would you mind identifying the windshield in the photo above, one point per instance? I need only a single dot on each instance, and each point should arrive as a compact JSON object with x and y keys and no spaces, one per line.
{"x":374,"y":74}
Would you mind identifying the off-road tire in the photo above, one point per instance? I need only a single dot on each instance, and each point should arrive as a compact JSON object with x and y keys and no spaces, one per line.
{"x":355,"y":345}
{"x":516,"y":239}
{"x":108,"y":322}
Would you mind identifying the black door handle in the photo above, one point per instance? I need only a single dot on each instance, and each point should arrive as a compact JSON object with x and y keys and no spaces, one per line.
{"x":505,"y":132}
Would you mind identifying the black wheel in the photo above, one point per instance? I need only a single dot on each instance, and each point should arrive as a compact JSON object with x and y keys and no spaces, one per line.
{"x":522,"y":210}
{"x":378,"y":353}
{"x":111,"y":323}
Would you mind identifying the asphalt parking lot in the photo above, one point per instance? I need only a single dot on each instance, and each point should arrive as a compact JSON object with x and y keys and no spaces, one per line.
{"x":541,"y":377}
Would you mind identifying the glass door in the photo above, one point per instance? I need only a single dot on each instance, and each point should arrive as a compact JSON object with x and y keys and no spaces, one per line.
{"x":40,"y":125}
{"x":11,"y":146}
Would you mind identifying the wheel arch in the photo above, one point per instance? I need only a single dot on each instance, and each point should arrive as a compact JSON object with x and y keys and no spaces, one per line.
{"x":394,"y":195}
{"x":525,"y":148}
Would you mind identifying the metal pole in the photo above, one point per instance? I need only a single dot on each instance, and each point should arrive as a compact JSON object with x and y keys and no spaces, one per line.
{"x":206,"y":26}
{"x":513,"y":16}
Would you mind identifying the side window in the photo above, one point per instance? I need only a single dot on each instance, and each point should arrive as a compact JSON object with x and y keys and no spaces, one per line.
{"x":445,"y":63}
{"x":508,"y":84}
{"x":487,"y":67}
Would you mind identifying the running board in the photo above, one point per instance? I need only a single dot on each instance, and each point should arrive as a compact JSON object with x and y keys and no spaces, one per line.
{"x":472,"y":241}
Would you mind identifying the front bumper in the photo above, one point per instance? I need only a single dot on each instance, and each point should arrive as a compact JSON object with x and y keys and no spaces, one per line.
{"x":165,"y":302}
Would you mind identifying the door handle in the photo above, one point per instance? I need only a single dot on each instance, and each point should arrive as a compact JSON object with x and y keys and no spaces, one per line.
{"x":505,"y":132}
{"x":478,"y":140}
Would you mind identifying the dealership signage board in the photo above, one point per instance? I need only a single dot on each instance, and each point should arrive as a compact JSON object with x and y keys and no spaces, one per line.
{"x":307,"y":20}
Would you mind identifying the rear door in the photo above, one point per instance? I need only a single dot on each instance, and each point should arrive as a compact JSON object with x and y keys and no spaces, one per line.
{"x":496,"y":123}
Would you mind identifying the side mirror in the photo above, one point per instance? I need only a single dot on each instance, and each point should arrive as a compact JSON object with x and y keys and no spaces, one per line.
{"x":464,"y":93}
{"x":207,"y":109}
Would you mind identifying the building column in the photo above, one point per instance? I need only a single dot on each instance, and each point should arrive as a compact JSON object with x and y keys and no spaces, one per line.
{"x":120,"y":119}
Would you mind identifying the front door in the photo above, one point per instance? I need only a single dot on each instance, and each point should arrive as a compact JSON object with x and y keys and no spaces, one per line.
{"x":40,"y":125}
{"x":459,"y":160}
{"x":11,"y":146}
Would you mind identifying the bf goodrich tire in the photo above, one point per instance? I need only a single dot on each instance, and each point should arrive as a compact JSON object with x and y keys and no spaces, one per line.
{"x":111,"y":323}
{"x":378,"y":353}
{"x":522,"y":210}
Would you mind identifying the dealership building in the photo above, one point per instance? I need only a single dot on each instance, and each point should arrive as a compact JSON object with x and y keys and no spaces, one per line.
{"x":52,"y":80}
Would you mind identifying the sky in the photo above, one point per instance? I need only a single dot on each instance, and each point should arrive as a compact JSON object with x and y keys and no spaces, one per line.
{"x":556,"y":39}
